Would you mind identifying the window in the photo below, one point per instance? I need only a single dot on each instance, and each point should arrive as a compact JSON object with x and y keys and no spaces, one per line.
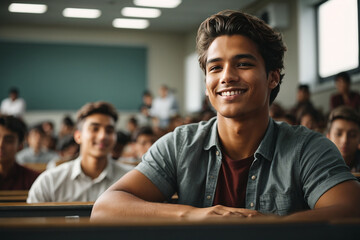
{"x":338,"y":37}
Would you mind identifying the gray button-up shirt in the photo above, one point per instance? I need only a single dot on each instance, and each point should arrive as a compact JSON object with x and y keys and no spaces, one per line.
{"x":292,"y":167}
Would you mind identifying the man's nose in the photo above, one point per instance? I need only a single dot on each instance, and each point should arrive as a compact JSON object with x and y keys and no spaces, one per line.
{"x":229,"y":74}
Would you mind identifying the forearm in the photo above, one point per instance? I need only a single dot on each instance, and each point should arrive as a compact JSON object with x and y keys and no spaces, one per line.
{"x":327,"y":213}
{"x":118,"y":204}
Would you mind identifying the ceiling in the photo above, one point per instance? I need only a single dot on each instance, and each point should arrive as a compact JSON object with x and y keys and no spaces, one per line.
{"x":186,"y":17}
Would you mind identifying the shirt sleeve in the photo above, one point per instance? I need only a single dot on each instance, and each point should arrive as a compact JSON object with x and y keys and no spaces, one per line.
{"x":41,"y":191}
{"x":321,"y":168}
{"x":158,"y":165}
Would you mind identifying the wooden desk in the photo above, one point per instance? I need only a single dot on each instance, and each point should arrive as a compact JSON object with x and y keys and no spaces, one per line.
{"x":55,"y":209}
{"x":357,"y":175}
{"x":163,"y":228}
{"x":39,"y":167}
{"x":13,"y":195}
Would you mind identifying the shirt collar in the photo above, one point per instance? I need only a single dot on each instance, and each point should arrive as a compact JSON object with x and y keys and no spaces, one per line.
{"x":212,"y":139}
{"x":265,"y":149}
{"x":267,"y":144}
{"x":106,"y":173}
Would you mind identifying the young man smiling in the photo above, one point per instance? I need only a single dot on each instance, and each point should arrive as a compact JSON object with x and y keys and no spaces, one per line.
{"x":242,"y":163}
{"x":86,"y":177}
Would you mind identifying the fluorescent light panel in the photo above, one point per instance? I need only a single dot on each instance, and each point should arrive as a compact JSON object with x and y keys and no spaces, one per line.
{"x":27,"y":8}
{"x":81,"y":13}
{"x":130,"y":23}
{"x":158,"y":3}
{"x":140,"y":12}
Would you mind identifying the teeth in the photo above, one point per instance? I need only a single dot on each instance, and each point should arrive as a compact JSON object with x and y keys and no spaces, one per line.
{"x":231,"y":93}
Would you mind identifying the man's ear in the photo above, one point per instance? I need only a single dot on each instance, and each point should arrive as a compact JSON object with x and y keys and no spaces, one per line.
{"x":77,"y":136}
{"x":274,"y":78}
{"x":206,"y":92}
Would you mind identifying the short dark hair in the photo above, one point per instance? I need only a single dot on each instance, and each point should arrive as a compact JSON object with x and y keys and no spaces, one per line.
{"x":96,"y":107}
{"x":15,"y":125}
{"x":269,"y":42}
{"x":303,"y":87}
{"x":145,"y":130}
{"x":343,"y":75}
{"x":343,"y":112}
{"x":67,"y":121}
{"x":14,"y":90}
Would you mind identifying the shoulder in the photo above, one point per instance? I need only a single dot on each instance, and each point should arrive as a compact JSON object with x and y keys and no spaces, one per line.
{"x":58,"y":173}
{"x":196,"y":130}
{"x":295,"y":137}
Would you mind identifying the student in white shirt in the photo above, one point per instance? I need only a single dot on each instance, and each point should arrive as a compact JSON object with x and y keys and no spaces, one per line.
{"x":13,"y":105}
{"x":85,"y":178}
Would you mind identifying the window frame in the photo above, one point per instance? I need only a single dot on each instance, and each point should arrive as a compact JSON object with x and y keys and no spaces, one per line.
{"x":330,"y":78}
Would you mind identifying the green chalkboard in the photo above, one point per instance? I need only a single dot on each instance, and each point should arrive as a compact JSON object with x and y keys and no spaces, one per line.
{"x":66,"y":76}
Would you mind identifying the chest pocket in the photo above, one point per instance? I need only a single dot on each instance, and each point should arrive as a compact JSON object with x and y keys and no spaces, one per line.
{"x":276,"y":203}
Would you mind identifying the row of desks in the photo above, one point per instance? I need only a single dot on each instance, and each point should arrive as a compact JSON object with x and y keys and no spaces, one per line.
{"x":161,"y":228}
{"x":72,"y":220}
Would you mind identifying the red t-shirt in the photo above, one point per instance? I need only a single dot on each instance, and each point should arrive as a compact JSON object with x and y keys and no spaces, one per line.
{"x":232,"y":181}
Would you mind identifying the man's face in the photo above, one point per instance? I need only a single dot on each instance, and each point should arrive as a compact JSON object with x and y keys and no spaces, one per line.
{"x":303,"y":95}
{"x":35,"y":139}
{"x":236,"y":80}
{"x":143,"y":143}
{"x":346,"y":136}
{"x":9,"y":145}
{"x":97,"y":136}
{"x":341,"y":85}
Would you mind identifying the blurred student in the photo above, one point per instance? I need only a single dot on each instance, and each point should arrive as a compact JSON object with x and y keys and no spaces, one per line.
{"x":69,"y":150}
{"x":86,"y":177}
{"x":13,"y":105}
{"x":144,"y":138}
{"x":344,"y":131}
{"x":35,"y":152}
{"x":67,"y":129}
{"x":164,"y":107}
{"x":302,"y":99}
{"x":122,"y":140}
{"x":344,"y":96}
{"x":12,"y":175}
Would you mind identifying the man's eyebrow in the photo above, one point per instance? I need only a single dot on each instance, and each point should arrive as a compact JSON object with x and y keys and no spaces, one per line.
{"x":238,"y":56}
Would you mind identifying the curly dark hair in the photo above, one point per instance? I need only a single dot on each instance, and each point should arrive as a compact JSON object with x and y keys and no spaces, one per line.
{"x":228,"y":22}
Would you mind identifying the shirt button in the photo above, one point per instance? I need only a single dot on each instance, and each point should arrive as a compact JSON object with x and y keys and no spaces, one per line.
{"x":217,"y":153}
{"x":252,"y":204}
{"x":253,"y":177}
{"x":208,"y":197}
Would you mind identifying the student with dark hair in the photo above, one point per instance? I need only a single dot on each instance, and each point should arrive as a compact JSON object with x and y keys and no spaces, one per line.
{"x":86,"y":177}
{"x":13,"y":105}
{"x":345,"y":95}
{"x":36,"y":152}
{"x":344,"y":130}
{"x":241,"y":163}
{"x":302,"y":100}
{"x":12,"y":175}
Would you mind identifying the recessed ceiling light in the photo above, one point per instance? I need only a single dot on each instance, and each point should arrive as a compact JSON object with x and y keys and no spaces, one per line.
{"x":158,"y":3}
{"x":140,"y":12}
{"x":81,"y":13}
{"x":130,"y":23}
{"x":27,"y":8}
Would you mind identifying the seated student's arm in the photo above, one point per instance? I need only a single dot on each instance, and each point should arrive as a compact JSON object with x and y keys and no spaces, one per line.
{"x":135,"y":195}
{"x":342,"y":200}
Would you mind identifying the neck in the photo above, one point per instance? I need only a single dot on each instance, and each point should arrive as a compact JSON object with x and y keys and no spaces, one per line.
{"x":241,"y":138}
{"x":93,"y":166}
{"x":5,"y":167}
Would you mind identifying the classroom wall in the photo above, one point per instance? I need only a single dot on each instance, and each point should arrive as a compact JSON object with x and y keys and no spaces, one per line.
{"x":165,"y":52}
